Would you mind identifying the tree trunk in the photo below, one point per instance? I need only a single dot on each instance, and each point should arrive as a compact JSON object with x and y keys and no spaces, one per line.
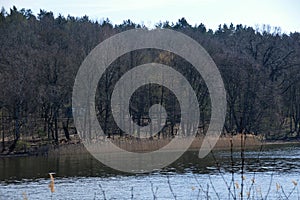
{"x":66,"y":129}
{"x":3,"y":141}
{"x":56,"y":126}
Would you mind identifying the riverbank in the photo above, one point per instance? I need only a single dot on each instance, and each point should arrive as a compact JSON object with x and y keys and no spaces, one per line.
{"x":74,"y":146}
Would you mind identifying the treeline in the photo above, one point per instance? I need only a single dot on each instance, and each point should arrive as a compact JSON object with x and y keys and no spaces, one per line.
{"x":40,"y":56}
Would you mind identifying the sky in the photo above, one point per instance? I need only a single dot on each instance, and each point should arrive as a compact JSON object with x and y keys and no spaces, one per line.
{"x":255,"y":13}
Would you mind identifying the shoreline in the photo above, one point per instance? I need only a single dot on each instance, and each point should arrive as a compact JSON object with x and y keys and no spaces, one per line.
{"x":76,"y":147}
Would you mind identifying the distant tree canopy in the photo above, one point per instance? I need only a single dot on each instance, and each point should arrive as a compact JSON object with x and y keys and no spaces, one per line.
{"x":40,"y":56}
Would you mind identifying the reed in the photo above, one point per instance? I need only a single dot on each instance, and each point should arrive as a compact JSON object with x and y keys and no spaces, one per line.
{"x":51,"y":185}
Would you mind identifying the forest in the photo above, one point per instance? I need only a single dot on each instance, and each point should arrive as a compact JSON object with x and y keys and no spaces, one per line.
{"x":40,"y":56}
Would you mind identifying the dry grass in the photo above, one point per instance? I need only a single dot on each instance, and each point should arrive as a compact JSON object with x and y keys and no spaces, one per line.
{"x":24,"y":196}
{"x":51,"y":185}
{"x":147,"y":145}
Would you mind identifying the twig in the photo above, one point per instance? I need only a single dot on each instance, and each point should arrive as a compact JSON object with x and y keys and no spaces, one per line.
{"x":213,"y":187}
{"x":200,"y":186}
{"x":254,"y":173}
{"x":131,"y":193}
{"x":219,"y":170}
{"x":243,"y":139}
{"x":269,"y":186}
{"x":153,"y":193}
{"x":298,"y":193}
{"x":207,"y":192}
{"x":283,"y":192}
{"x":171,"y":188}
{"x":198,"y":195}
{"x":103,"y":192}
{"x":291,"y":192}
{"x":232,"y":169}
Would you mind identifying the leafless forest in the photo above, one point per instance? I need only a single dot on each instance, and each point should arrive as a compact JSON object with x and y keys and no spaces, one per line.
{"x":40,"y":56}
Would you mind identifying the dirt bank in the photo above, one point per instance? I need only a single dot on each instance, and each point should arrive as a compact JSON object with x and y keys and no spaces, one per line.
{"x":74,"y":146}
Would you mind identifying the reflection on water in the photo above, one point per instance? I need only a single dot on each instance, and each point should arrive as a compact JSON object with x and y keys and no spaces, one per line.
{"x":79,"y":176}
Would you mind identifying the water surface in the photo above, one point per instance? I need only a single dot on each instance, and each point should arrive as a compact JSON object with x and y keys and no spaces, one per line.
{"x":272,"y":172}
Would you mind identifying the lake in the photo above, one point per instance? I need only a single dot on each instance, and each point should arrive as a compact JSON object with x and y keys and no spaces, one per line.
{"x":272,"y":172}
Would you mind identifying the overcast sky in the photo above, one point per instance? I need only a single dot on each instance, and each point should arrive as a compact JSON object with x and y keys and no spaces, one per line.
{"x":282,"y":13}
